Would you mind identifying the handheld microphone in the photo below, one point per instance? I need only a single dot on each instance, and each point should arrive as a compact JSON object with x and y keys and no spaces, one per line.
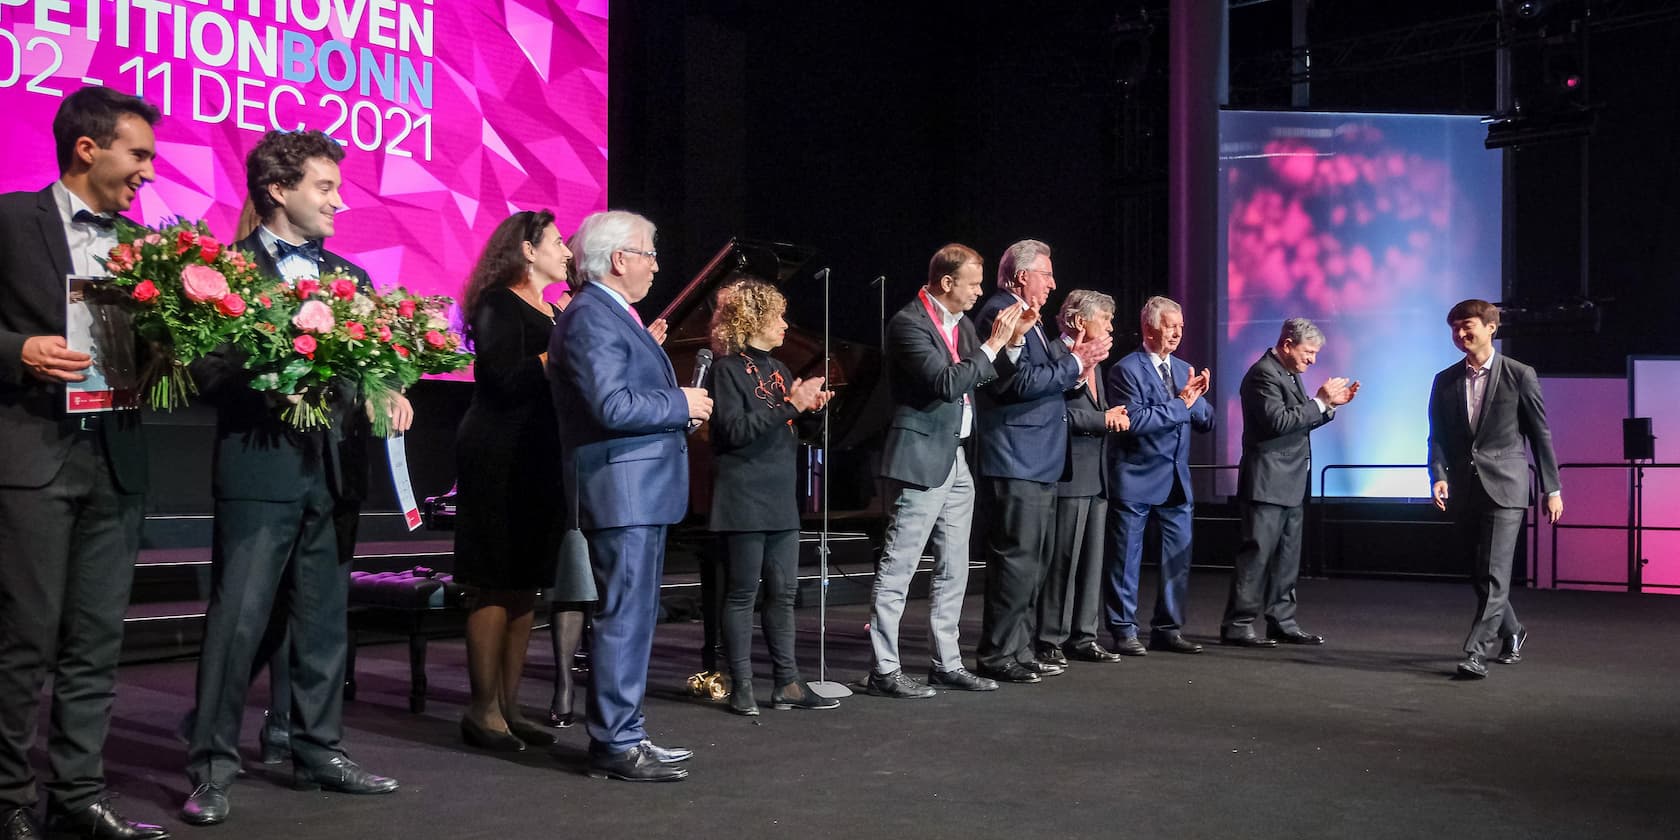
{"x":702,"y":365}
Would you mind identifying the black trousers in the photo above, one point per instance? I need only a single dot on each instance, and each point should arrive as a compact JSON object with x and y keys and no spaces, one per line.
{"x":1071,"y":597}
{"x":258,"y":547}
{"x":1488,"y":533}
{"x":1267,"y":567}
{"x":67,"y":553}
{"x":275,"y":650}
{"x":1020,"y":537}
{"x":770,"y":557}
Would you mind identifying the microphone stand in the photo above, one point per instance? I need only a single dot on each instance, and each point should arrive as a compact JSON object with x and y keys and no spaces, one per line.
{"x":823,"y":686}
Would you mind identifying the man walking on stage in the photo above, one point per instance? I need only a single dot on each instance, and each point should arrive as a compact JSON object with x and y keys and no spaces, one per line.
{"x":935,"y":361}
{"x":1272,"y":482}
{"x":71,"y":486}
{"x":1480,"y":412}
{"x":623,"y":427}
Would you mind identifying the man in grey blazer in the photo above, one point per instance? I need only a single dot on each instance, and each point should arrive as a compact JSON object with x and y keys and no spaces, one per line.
{"x":935,"y":362}
{"x":1480,"y":412}
{"x":1272,"y":482}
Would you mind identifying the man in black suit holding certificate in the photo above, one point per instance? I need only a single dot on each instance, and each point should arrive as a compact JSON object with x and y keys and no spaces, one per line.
{"x":70,"y":485}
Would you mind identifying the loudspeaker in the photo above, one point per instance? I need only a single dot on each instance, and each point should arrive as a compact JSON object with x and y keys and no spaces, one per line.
{"x":1638,"y":444}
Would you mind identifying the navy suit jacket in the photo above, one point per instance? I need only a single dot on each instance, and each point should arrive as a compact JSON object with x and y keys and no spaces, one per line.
{"x":1144,"y":461}
{"x":623,"y":418}
{"x":1023,"y":423}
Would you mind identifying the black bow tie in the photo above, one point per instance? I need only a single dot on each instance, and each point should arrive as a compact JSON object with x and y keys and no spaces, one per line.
{"x":309,"y":250}
{"x":87,"y":217}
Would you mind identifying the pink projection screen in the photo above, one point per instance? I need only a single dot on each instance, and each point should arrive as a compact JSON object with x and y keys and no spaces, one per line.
{"x":453,"y":113}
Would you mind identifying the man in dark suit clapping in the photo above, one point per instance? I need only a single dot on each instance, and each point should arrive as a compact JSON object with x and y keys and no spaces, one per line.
{"x":1272,"y":483}
{"x":1480,"y":411}
{"x":71,"y":486}
{"x":623,"y":424}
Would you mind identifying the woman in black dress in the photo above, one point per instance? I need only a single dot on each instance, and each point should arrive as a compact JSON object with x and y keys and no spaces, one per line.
{"x":755,"y":506}
{"x":510,"y":515}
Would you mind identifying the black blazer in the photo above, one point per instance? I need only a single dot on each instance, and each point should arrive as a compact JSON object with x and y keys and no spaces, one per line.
{"x":34,"y":260}
{"x":258,"y":455}
{"x":1512,"y":410}
{"x":1278,"y":418}
{"x":1085,"y":474}
{"x":928,"y":390}
{"x":755,"y":447}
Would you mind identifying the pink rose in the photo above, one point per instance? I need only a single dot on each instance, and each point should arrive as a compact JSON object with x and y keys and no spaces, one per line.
{"x":314,"y":316}
{"x":152,"y":239}
{"x":201,"y":283}
{"x":145,"y":291}
{"x":436,"y":339}
{"x":406,"y":309}
{"x":343,"y":289}
{"x":209,"y":249}
{"x":384,"y":333}
{"x":305,"y":344}
{"x":356,"y":331}
{"x":232,"y":306}
{"x":122,"y":258}
{"x":307,"y":287}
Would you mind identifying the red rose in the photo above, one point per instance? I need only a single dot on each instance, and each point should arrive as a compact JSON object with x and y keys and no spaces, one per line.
{"x":265,"y":300}
{"x":231,"y":305}
{"x":184,"y":241}
{"x":307,"y":287}
{"x":406,"y":309}
{"x":343,"y":289}
{"x":305,"y":344}
{"x":209,"y":249}
{"x":384,"y":333}
{"x":401,"y":350}
{"x":145,"y":291}
{"x":355,"y":330}
{"x":436,"y":339}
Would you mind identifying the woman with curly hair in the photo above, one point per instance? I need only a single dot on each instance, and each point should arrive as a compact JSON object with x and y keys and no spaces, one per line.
{"x":756,"y":409}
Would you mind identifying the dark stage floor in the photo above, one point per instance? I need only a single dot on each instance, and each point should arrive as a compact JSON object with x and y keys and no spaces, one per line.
{"x":1368,"y":736}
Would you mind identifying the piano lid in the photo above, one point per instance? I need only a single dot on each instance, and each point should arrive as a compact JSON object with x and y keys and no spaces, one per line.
{"x":689,"y":314}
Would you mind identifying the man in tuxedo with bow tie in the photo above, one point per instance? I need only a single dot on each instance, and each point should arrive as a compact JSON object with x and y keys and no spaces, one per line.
{"x":1481,"y":410}
{"x":1023,"y":446}
{"x":623,"y":430}
{"x":279,"y":495}
{"x":1272,"y":483}
{"x":1149,"y":476}
{"x":71,"y":486}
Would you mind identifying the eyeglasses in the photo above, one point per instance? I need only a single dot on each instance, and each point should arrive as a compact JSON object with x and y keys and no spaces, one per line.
{"x":1049,"y":274}
{"x":652,"y":255}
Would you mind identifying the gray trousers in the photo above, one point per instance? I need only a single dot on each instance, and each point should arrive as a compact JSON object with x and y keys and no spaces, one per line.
{"x":1267,"y":567}
{"x":945,"y":513}
{"x":1489,"y":533}
{"x":1069,"y":602}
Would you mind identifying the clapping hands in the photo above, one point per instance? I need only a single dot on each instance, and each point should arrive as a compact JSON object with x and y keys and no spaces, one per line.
{"x":1195,"y":388}
{"x":1338,"y":391}
{"x":808,"y":394}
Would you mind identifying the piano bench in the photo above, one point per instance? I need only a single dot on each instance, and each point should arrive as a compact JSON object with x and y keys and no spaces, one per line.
{"x":420,"y":603}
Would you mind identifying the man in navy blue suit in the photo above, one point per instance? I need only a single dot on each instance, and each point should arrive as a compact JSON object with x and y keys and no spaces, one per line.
{"x":1149,"y":475}
{"x":623,"y":421}
{"x":1023,"y":448}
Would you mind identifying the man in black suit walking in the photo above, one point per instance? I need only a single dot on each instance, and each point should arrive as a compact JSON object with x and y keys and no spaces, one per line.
{"x":70,"y":485}
{"x":277,"y":491}
{"x":936,"y":360}
{"x":1480,"y":412}
{"x":1272,"y":483}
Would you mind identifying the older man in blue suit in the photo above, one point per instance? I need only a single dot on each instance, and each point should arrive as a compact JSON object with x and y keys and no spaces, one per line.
{"x":623,"y":420}
{"x":1149,"y":475}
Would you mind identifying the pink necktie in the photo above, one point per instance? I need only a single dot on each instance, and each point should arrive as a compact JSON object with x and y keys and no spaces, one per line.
{"x":636,"y":315}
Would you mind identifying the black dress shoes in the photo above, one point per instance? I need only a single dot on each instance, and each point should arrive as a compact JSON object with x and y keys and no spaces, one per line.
{"x":1130,"y":646}
{"x":474,"y":735}
{"x":1043,"y":669}
{"x":1511,"y":653}
{"x":798,"y":695}
{"x":666,"y":755}
{"x":1174,"y":643}
{"x":1093,"y":652}
{"x":19,"y":824}
{"x":1011,"y":672}
{"x":637,"y":764}
{"x":561,"y":720}
{"x":1296,"y":637}
{"x":100,"y":821}
{"x":1472,"y":668}
{"x":897,"y":684}
{"x":532,"y":734}
{"x":960,"y":679}
{"x":1249,"y":640}
{"x":341,"y":775}
{"x":741,"y":699}
{"x":207,"y":805}
{"x":276,"y":739}
{"x":1052,"y":654}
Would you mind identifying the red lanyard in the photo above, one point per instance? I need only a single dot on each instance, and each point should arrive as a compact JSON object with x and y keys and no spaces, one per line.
{"x":938,"y":325}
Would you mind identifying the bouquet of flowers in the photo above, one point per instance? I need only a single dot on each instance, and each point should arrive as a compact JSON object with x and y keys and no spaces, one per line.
{"x":319,"y":335}
{"x":189,"y":295}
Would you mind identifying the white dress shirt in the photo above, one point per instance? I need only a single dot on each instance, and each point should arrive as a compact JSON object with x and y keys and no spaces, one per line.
{"x":89,"y":243}
{"x":947,"y":325}
{"x":294,"y":267}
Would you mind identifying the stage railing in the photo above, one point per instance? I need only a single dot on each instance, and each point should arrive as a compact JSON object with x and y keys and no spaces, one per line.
{"x":1634,"y":529}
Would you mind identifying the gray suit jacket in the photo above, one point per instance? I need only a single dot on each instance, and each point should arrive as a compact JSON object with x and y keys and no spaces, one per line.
{"x":1512,"y":410}
{"x":928,"y":390}
{"x":1278,"y":417}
